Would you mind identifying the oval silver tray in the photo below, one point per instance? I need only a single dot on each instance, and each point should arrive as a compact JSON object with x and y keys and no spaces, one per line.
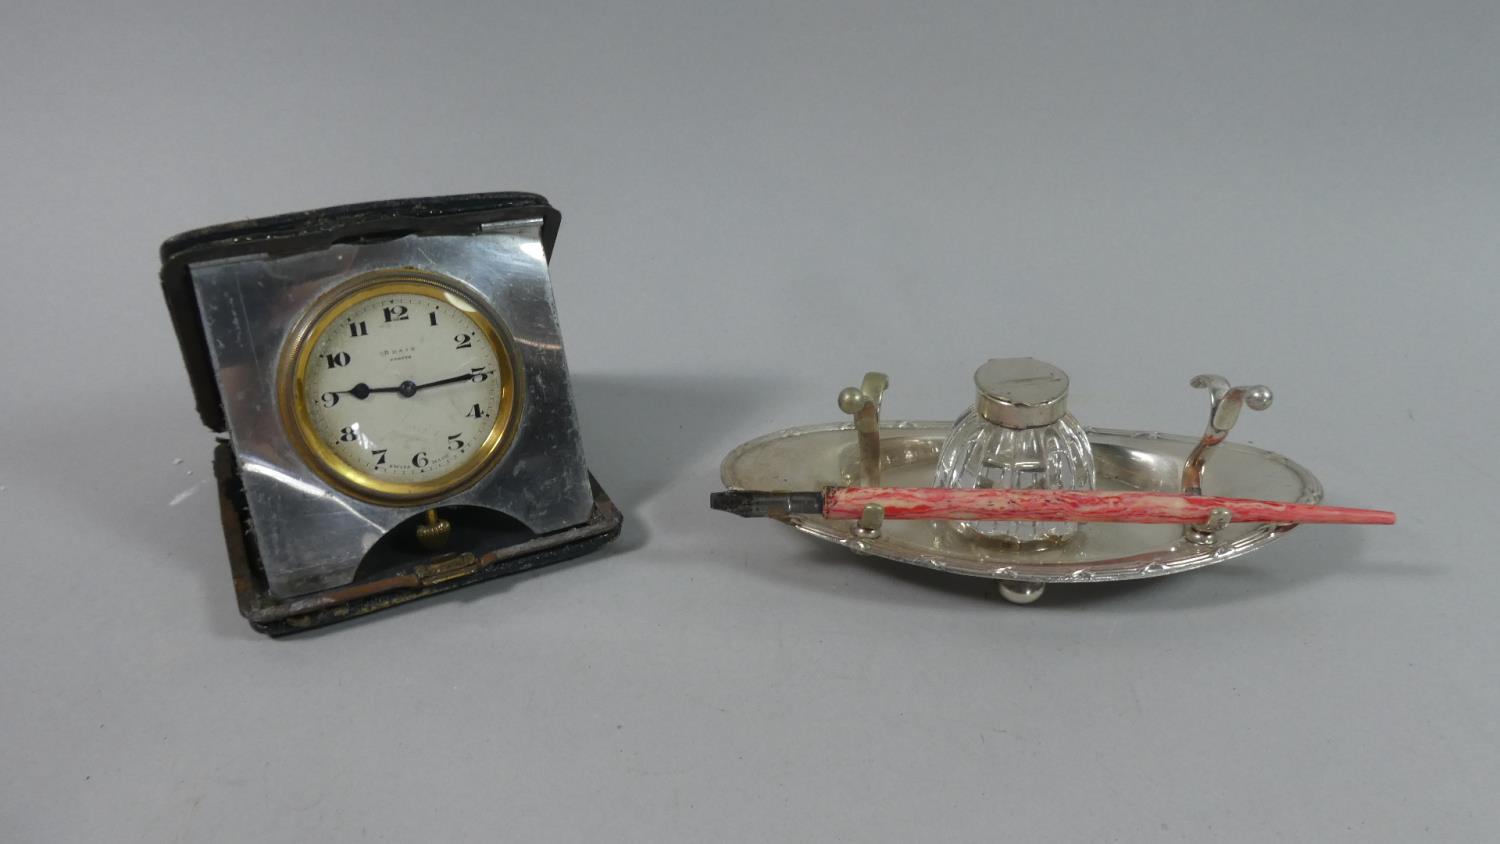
{"x":816,"y":456}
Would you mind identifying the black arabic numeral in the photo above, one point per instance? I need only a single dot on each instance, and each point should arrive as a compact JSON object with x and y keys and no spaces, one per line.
{"x":348,"y":435}
{"x":337,"y":359}
{"x":329,"y":399}
{"x":379,"y":456}
{"x":476,"y":412}
{"x":420,"y":460}
{"x":479,"y":374}
{"x":394,"y":313}
{"x":463,"y":341}
{"x":358,"y":329}
{"x":454,"y":443}
{"x":432,"y":318}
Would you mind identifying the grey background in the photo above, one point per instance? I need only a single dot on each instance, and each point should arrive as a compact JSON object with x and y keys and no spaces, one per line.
{"x":760,"y":202}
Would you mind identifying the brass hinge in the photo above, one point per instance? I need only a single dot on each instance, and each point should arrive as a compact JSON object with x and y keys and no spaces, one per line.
{"x":447,"y":568}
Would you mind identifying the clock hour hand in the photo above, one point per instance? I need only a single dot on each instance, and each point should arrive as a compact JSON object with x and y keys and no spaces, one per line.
{"x":362,"y":390}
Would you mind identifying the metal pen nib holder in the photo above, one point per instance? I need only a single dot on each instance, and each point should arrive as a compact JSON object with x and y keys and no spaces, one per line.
{"x":867,"y":451}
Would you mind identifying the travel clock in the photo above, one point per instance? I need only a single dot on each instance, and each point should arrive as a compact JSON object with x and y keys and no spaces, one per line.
{"x":395,"y":406}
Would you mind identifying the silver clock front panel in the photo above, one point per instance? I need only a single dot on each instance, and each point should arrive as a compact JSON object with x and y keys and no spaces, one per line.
{"x":310,"y":535}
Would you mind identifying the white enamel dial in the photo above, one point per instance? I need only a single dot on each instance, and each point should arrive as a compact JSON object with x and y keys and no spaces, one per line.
{"x":402,"y":389}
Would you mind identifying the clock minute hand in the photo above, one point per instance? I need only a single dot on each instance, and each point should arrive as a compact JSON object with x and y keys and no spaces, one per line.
{"x":467,"y":376}
{"x":407,"y":388}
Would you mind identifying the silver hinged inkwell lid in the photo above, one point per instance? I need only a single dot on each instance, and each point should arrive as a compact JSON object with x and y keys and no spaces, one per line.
{"x":1021,"y":392}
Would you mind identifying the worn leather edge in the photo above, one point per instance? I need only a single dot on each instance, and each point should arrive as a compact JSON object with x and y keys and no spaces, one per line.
{"x":602,"y":528}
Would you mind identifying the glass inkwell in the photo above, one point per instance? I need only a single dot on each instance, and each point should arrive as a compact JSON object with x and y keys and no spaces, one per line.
{"x":1017,"y":435}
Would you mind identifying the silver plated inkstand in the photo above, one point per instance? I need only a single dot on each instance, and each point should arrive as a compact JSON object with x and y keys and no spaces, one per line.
{"x":1019,"y":435}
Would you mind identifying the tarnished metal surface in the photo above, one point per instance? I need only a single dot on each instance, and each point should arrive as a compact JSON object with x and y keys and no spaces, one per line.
{"x":863,"y":403}
{"x":817,"y":456}
{"x":311,"y":537}
{"x":421,"y":579}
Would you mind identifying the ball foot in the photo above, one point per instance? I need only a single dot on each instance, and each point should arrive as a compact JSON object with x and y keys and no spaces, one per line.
{"x":1021,"y":592}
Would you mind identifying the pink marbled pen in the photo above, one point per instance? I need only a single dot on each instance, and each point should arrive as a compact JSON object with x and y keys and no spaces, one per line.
{"x":1035,"y":505}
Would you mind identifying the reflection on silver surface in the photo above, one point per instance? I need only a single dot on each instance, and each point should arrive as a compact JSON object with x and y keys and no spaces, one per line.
{"x":295,"y":484}
{"x":823,"y":455}
{"x":1224,"y":404}
{"x":310,"y":536}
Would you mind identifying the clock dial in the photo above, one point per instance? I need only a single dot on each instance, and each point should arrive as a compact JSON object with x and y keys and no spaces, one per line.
{"x":402,"y":388}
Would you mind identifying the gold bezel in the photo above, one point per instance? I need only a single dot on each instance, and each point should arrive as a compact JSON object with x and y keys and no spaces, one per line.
{"x":291,"y":386}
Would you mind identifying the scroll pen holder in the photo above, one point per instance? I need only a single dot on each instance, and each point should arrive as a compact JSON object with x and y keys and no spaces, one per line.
{"x":1017,"y":491}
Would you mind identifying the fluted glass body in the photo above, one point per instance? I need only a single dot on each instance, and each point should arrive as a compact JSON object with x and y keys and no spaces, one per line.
{"x":982,"y":455}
